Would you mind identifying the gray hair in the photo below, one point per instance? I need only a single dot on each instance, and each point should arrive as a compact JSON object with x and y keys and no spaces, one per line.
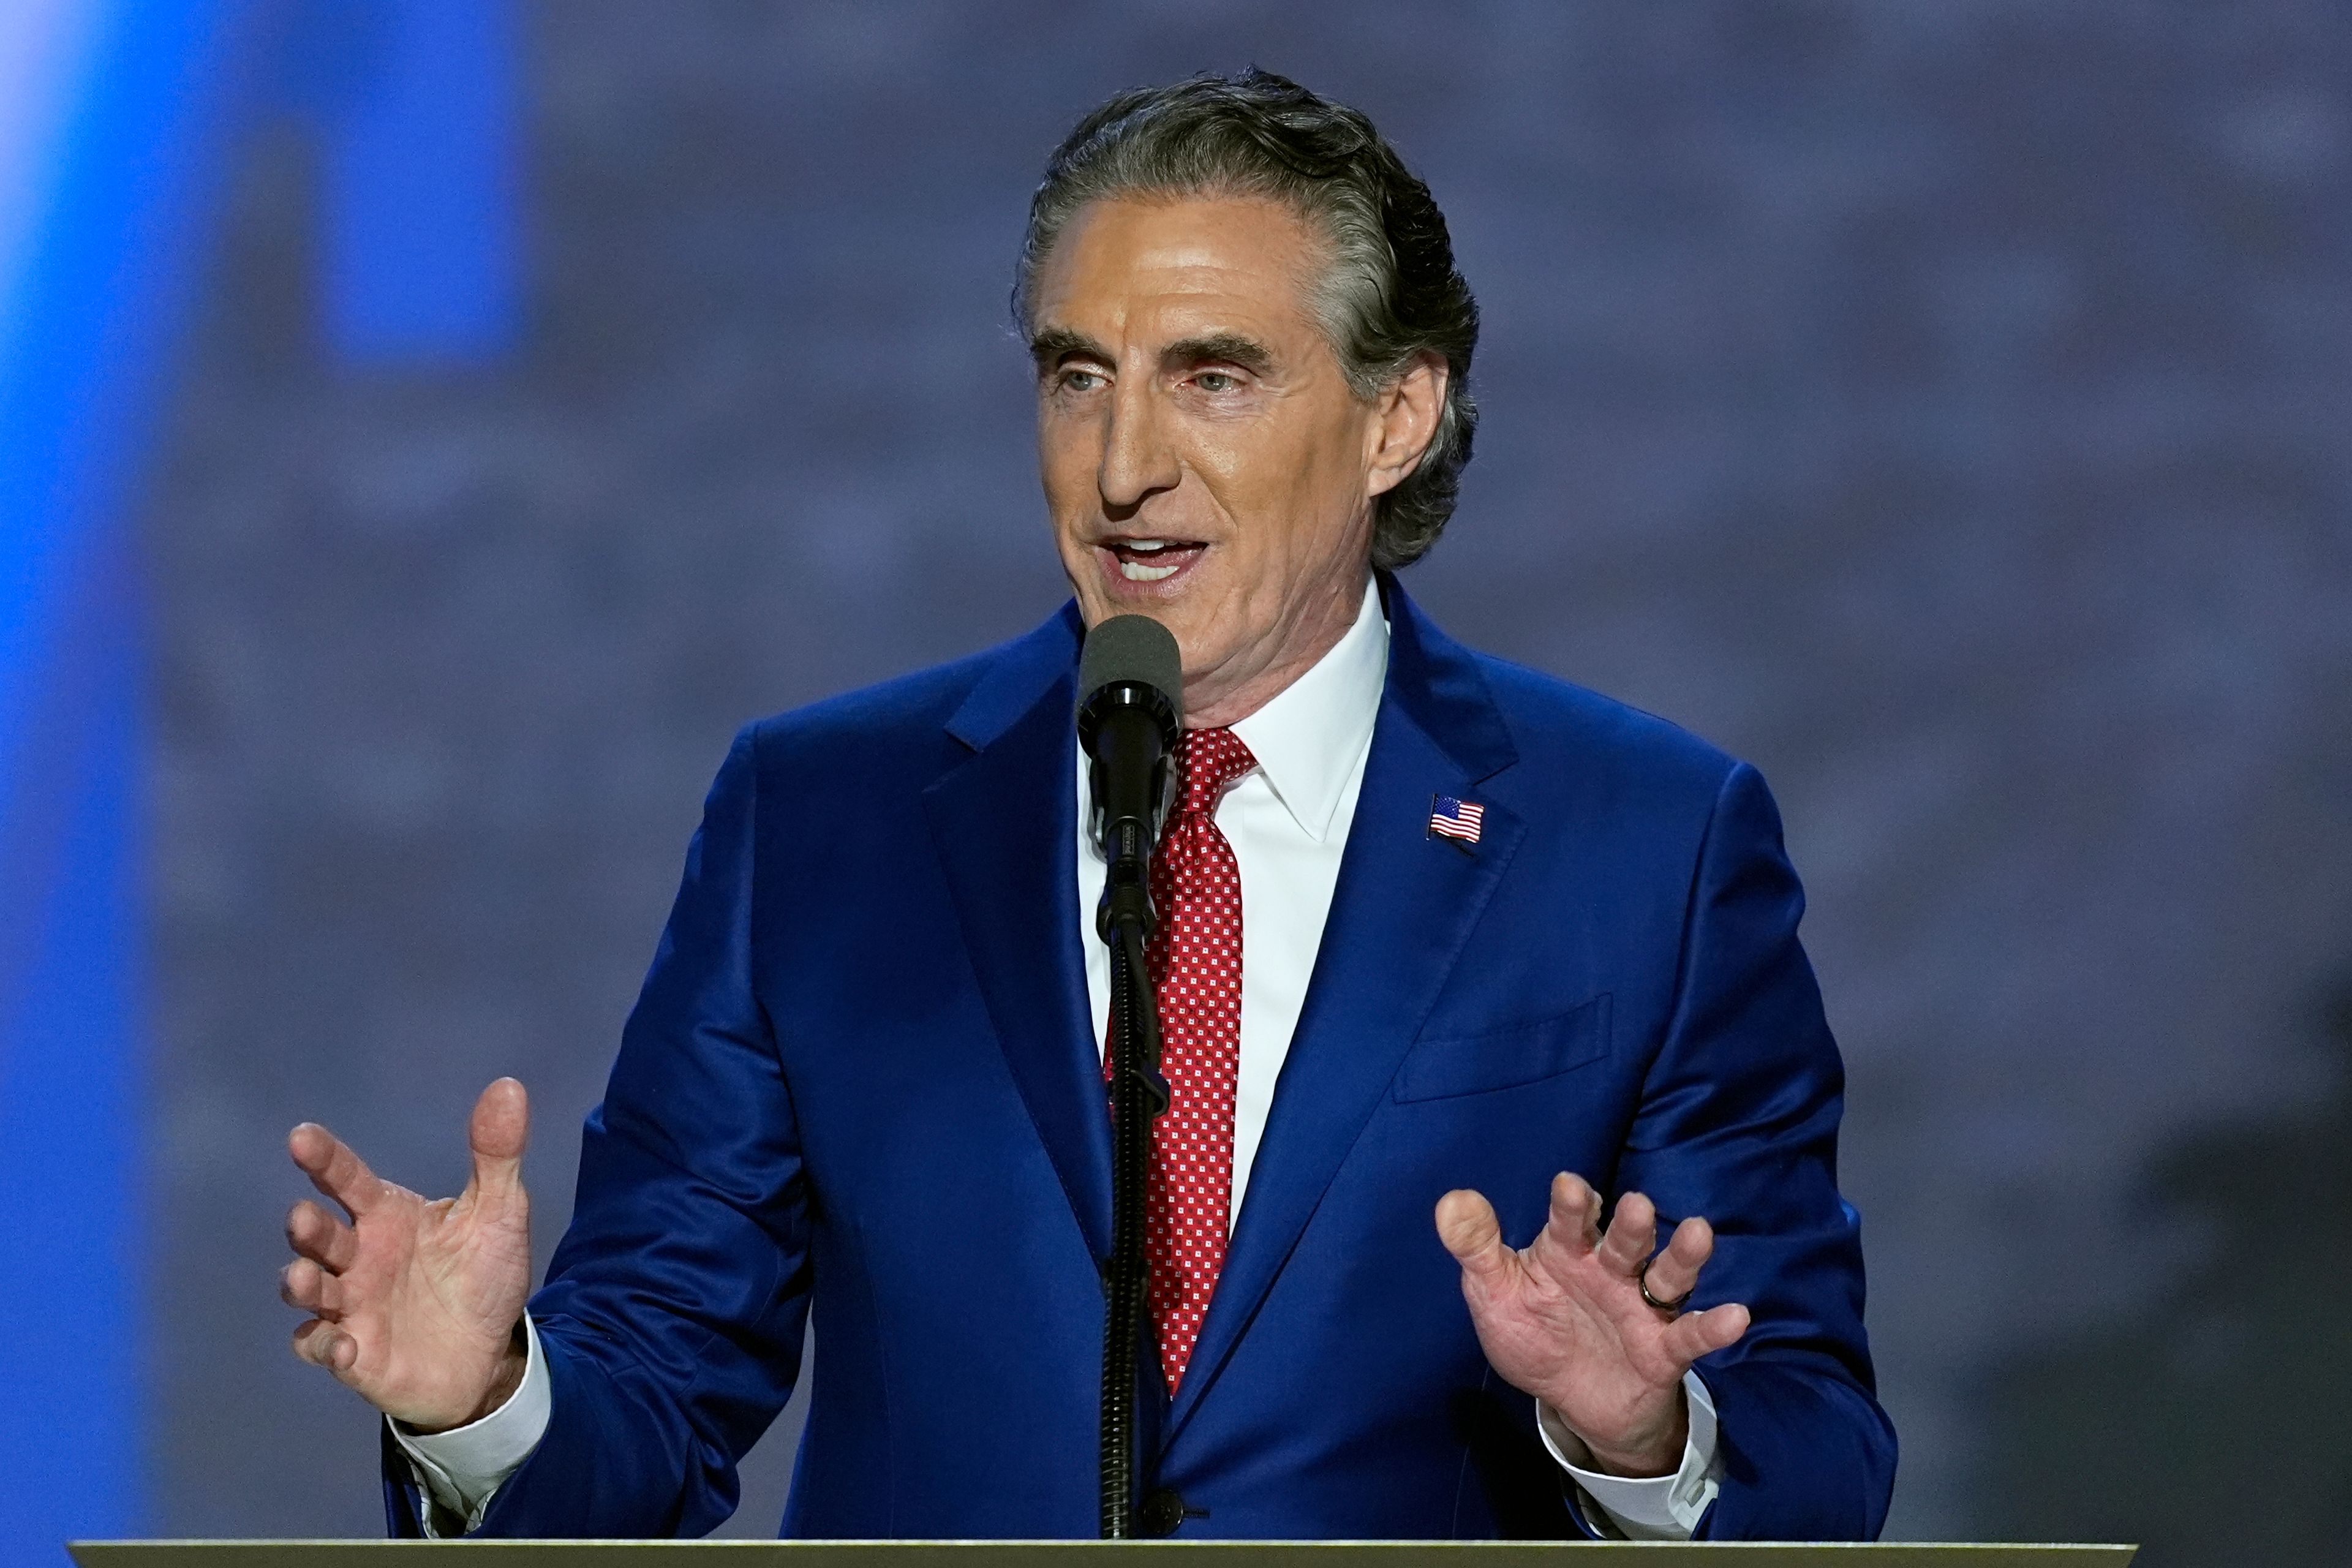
{"x":1391,"y":293}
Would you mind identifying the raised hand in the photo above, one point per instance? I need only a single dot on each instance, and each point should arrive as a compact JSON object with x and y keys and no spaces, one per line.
{"x":1565,"y":1319}
{"x":415,"y":1305}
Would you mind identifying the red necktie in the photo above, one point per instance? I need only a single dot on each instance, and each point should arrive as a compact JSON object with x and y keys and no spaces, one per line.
{"x":1195,"y":958}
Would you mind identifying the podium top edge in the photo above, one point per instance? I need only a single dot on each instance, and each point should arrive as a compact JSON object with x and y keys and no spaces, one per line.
{"x":1057,"y":1544}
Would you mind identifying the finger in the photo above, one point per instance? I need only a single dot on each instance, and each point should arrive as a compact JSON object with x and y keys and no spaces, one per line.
{"x":333,"y":1168}
{"x":1572,"y":1229}
{"x":1697,"y":1335}
{"x":1633,"y":1234}
{"x":1675,"y":1271}
{"x":1467,"y":1225}
{"x":499,"y":1130}
{"x":304,"y":1284}
{"x":321,"y":1237}
{"x":1576,"y":1209}
{"x":323,"y":1344}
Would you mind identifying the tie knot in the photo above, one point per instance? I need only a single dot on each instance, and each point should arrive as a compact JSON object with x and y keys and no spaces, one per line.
{"x":1206,"y":762}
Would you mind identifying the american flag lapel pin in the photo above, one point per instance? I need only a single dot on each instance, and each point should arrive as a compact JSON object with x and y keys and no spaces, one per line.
{"x":1451,"y":816}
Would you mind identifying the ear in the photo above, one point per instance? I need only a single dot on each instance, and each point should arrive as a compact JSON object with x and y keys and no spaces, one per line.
{"x":1405,"y":422}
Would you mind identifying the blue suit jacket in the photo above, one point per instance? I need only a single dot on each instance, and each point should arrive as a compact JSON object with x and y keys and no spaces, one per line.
{"x":862,"y":1080}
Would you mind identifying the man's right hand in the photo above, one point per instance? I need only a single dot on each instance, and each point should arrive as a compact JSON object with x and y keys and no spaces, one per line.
{"x":415,"y":1305}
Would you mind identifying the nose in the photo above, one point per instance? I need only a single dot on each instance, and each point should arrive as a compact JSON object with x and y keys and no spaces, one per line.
{"x":1136,"y":460}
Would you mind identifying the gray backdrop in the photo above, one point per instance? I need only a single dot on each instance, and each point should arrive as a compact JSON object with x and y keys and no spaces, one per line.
{"x":1940,"y":402}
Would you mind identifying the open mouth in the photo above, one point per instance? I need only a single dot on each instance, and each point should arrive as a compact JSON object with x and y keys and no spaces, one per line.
{"x":1151,"y":560}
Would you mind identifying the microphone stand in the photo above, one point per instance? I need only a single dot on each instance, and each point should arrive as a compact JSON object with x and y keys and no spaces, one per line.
{"x":1137,"y":1096}
{"x":1128,"y":724}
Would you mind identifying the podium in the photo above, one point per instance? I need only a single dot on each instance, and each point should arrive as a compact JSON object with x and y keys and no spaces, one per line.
{"x":1082,"y":1554}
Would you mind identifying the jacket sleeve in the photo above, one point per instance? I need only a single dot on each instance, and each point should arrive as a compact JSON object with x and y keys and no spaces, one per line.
{"x":1738,"y":1123}
{"x":673,"y":1310}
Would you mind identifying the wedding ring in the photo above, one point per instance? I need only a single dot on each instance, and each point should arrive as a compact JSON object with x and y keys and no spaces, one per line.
{"x":1642,"y":1279}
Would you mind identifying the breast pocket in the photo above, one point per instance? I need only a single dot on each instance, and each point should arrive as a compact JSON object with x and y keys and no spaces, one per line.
{"x":1505,"y":1058}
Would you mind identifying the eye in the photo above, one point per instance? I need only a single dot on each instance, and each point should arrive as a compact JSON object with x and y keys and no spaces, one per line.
{"x":1216,"y":381}
{"x":1077,"y":379}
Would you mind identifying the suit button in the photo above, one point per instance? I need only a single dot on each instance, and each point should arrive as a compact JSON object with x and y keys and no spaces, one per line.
{"x":1162,"y":1513}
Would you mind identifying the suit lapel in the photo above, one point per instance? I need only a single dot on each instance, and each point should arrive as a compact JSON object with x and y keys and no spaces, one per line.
{"x":1404,"y":905}
{"x":1006,"y":825}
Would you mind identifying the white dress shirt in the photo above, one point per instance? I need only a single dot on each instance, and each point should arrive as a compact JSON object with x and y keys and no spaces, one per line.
{"x":1287,"y":821}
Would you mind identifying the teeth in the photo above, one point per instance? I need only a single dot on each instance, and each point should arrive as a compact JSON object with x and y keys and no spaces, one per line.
{"x":1136,"y":557}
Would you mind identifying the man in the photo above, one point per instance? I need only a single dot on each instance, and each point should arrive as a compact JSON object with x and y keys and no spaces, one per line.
{"x":1433,"y":927}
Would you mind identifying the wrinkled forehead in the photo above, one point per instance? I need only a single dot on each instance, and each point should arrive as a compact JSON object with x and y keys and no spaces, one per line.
{"x":1130,"y":269}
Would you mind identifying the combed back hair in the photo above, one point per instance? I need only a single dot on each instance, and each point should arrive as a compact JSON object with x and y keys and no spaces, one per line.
{"x":1389,"y":293}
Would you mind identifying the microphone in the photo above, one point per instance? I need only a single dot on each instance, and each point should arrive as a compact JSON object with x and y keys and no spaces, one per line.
{"x":1130,"y":712}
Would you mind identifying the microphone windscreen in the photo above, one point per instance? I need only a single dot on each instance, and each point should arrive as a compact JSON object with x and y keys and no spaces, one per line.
{"x":1133,"y":648}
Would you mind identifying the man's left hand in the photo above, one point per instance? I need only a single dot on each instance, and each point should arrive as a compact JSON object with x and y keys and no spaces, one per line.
{"x":1565,"y":1319}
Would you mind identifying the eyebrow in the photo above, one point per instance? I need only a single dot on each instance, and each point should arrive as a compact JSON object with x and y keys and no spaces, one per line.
{"x":1052,"y":345}
{"x":1228,"y":347}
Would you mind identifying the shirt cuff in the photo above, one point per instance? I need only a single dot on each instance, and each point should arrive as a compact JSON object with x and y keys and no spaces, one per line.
{"x":1655,"y":1508}
{"x":462,"y":1469}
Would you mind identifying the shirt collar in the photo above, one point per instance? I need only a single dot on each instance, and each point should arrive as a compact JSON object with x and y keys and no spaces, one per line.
{"x":1309,"y":738}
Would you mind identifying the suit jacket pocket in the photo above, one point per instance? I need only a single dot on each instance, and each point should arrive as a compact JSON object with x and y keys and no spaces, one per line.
{"x":1506,"y":1057}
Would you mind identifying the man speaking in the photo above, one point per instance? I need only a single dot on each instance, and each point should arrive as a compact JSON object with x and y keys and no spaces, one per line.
{"x":1436,"y":935}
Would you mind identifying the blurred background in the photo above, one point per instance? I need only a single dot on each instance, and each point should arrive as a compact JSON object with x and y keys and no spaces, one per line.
{"x":429,"y":427}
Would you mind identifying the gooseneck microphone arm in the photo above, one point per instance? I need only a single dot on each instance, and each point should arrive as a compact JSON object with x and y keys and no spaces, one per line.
{"x":1130,"y":680}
